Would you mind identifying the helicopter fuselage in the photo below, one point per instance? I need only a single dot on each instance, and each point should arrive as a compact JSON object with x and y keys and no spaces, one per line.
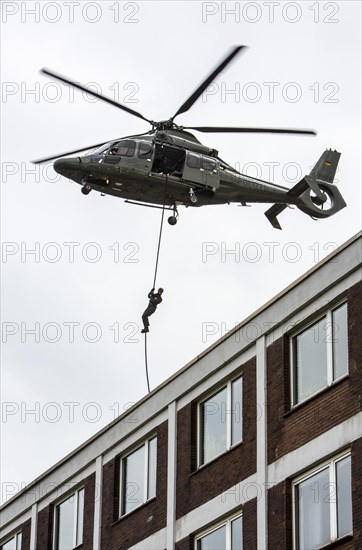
{"x":171,"y":168}
{"x":165,"y":168}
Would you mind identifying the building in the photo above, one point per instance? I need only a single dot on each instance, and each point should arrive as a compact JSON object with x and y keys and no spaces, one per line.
{"x":255,"y":444}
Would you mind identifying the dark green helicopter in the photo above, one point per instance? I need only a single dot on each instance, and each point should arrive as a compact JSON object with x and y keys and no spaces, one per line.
{"x":168,"y":167}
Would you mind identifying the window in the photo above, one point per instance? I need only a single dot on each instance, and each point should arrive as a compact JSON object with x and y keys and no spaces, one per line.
{"x":220,"y":421}
{"x":138,"y":477}
{"x":208,"y":164}
{"x":101,"y":150}
{"x":69,"y":522}
{"x":323,"y":504}
{"x":320,"y":354}
{"x":145,"y":150}
{"x":126,"y":148}
{"x":193,"y":160}
{"x":13,"y":544}
{"x":228,"y":535}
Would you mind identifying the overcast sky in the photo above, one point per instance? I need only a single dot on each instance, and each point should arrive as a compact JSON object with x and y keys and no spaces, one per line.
{"x":72,"y":353}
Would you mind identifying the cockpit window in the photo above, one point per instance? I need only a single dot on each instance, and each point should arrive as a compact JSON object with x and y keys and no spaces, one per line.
{"x":193,"y":160}
{"x":101,"y":149}
{"x":124,"y":148}
{"x":145,"y":150}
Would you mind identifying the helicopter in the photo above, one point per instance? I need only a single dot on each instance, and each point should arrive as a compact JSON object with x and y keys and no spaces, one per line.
{"x":168,"y":166}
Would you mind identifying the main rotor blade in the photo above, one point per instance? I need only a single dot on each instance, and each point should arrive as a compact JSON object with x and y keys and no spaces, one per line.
{"x":234,"y":130}
{"x":40,"y":161}
{"x":191,"y":100}
{"x":95,"y":94}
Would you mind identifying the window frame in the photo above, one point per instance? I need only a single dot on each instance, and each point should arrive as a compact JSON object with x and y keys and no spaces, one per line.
{"x":18,"y":536}
{"x":333,"y":517}
{"x":123,"y":458}
{"x":328,"y":342}
{"x":74,"y":494}
{"x":227,"y":522}
{"x":229,"y":444}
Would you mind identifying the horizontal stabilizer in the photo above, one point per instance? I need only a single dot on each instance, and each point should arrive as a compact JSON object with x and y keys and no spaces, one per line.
{"x":273,"y":212}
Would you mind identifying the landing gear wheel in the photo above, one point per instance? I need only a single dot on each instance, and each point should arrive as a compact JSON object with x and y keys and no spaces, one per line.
{"x":172,"y":220}
{"x":86,"y":189}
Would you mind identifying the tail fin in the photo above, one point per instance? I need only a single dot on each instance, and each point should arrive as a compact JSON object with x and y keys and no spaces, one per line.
{"x":325,"y":169}
{"x":314,"y":191}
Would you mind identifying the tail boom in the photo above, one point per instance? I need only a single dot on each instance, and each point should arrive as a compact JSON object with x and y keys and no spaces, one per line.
{"x":313,"y":192}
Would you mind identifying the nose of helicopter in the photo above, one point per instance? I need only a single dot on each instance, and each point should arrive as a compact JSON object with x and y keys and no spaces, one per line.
{"x":67,"y":167}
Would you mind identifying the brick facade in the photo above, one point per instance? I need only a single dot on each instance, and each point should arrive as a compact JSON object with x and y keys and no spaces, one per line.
{"x":25,"y":529}
{"x":45,"y":530}
{"x":195,"y":487}
{"x":280,"y":517}
{"x":122,"y":533}
{"x":289,"y":429}
{"x":357,"y":492}
{"x":282,"y":432}
{"x":250,"y":525}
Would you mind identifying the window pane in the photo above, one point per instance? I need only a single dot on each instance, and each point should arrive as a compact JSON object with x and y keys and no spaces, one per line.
{"x":193,"y":160}
{"x":19,"y":538}
{"x":310,"y":360}
{"x":133,"y":480}
{"x":10,"y":545}
{"x":80,"y":515}
{"x":340,"y":342}
{"x":237,"y":534}
{"x":65,"y":522}
{"x":213,"y":541}
{"x":344,"y":497}
{"x":213,"y":425}
{"x":145,"y":150}
{"x":236,"y":411}
{"x":152,"y":466}
{"x":313,"y":498}
{"x":208,"y":164}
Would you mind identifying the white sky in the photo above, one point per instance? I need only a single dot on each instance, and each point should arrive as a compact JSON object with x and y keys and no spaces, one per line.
{"x":154,"y":53}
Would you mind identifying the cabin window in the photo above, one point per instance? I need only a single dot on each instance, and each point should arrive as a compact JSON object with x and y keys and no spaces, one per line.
{"x":124,"y":148}
{"x":208,"y":164}
{"x":145,"y":150}
{"x":194,"y":160}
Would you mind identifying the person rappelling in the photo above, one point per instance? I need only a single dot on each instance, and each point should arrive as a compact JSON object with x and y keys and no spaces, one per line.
{"x":155,"y":298}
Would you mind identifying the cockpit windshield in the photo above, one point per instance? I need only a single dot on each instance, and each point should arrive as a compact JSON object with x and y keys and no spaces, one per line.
{"x":101,"y":149}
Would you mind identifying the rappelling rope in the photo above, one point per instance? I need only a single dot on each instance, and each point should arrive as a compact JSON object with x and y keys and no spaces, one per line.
{"x":146,"y":364}
{"x":160,"y":235}
{"x":155,"y":275}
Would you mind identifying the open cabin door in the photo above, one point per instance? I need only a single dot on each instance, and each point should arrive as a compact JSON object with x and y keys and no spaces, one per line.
{"x":201,"y":170}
